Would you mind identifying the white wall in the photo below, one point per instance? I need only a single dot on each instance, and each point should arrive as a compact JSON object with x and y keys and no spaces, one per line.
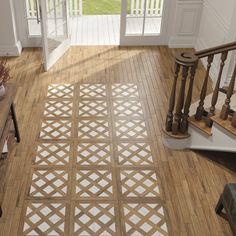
{"x":9,"y":43}
{"x":184,"y":23}
{"x":217,"y":27}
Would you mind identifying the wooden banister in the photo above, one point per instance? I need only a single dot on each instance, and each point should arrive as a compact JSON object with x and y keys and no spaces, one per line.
{"x":216,"y":50}
{"x":178,"y":111}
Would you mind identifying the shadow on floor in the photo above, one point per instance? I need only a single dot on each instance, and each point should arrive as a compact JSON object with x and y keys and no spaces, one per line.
{"x":224,"y":159}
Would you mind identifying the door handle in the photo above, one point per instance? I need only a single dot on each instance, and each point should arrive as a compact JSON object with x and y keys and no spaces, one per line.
{"x":37,"y":12}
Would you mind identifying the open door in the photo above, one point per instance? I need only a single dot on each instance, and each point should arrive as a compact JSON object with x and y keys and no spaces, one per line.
{"x":143,"y":22}
{"x":55,"y":33}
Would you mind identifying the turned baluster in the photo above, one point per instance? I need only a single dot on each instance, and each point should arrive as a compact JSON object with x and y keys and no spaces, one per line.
{"x":169,"y":118}
{"x":216,"y":90}
{"x":233,"y":123}
{"x":180,"y":102}
{"x":200,"y":109}
{"x":184,"y":123}
{"x":226,"y":107}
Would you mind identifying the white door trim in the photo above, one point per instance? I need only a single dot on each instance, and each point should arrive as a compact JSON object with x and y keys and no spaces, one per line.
{"x":140,"y":40}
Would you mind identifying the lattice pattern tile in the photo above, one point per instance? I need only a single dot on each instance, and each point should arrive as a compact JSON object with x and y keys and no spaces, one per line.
{"x":55,"y":129}
{"x":49,"y":183}
{"x":143,"y":219}
{"x":54,"y":108}
{"x":139,"y":183}
{"x":94,"y":184}
{"x":44,"y":219}
{"x":136,"y":154}
{"x":96,"y":108}
{"x":93,"y":129}
{"x":52,"y":154}
{"x":127,"y":108}
{"x":92,"y":90}
{"x":60,"y":91}
{"x":94,"y":154}
{"x":131,"y":129}
{"x":125,"y":91}
{"x":94,"y":219}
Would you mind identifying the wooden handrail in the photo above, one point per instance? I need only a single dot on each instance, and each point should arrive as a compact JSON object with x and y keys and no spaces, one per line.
{"x":180,"y":97}
{"x":216,"y":50}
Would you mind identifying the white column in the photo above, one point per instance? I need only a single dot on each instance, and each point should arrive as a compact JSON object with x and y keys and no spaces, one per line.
{"x":9,"y":43}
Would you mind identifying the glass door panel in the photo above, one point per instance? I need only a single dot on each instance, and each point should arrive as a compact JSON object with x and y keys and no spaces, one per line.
{"x":142,"y":22}
{"x":54,"y":26}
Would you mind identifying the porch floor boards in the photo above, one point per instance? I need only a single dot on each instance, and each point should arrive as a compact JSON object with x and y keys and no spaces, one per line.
{"x":95,"y":30}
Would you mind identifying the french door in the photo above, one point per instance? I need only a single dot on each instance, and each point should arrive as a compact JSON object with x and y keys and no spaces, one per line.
{"x":143,"y":22}
{"x":54,"y":28}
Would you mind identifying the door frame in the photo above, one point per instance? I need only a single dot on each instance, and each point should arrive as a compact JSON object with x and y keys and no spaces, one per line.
{"x":144,"y":40}
{"x":50,"y":58}
{"x":22,"y":26}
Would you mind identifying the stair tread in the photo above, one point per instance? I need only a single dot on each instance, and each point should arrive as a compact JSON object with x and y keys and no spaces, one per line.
{"x":226,"y":124}
{"x":207,"y":103}
{"x":200,"y":125}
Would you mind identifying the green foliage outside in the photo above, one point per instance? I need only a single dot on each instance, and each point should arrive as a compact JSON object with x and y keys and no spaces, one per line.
{"x":101,"y":7}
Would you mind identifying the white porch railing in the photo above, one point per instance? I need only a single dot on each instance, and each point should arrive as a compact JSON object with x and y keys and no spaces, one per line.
{"x":137,"y":8}
{"x":153,"y":8}
{"x":75,"y":7}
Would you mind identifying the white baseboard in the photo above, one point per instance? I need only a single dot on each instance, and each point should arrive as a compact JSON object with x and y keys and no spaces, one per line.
{"x":11,"y":50}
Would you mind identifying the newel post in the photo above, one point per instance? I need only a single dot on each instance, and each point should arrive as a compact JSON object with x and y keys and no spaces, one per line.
{"x":178,"y":111}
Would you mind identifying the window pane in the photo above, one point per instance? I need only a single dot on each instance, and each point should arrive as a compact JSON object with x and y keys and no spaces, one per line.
{"x":152,"y":25}
{"x":134,"y":25}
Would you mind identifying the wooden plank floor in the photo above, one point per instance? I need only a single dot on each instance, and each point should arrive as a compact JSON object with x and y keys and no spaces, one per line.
{"x":191,"y":182}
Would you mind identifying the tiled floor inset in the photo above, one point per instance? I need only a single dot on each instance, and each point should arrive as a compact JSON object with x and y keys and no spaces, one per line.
{"x":94,"y":219}
{"x":96,"y":108}
{"x":44,"y":219}
{"x":93,"y":184}
{"x":54,"y":108}
{"x":93,"y":90}
{"x":139,"y":183}
{"x":56,"y":129}
{"x":127,"y":108}
{"x":144,"y":219}
{"x":125,"y":91}
{"x":137,"y":154}
{"x":49,"y":183}
{"x":52,"y":154}
{"x":60,"y":91}
{"x":93,"y":154}
{"x":131,"y":129}
{"x":93,"y":129}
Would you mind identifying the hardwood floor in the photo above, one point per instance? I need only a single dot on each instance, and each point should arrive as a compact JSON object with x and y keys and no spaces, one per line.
{"x":191,"y":182}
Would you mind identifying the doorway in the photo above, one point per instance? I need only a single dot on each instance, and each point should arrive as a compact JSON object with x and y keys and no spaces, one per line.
{"x":143,"y":22}
{"x":105,"y":22}
{"x":96,"y":22}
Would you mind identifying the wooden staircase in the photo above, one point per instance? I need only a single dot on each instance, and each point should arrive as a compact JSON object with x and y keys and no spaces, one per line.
{"x":215,"y":111}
